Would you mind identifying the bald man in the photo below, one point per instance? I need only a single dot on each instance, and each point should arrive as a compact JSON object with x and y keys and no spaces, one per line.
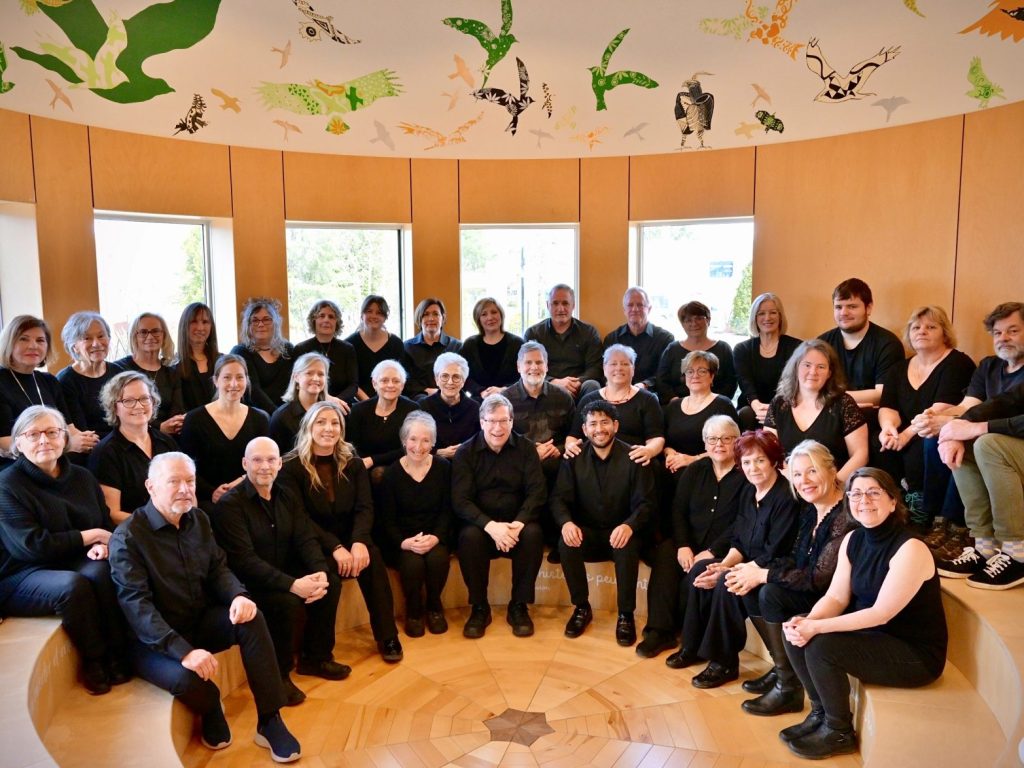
{"x":272,"y":547}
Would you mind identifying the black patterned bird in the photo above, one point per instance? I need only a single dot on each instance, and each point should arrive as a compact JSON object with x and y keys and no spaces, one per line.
{"x":495,"y":46}
{"x":602,"y":81}
{"x":515,"y":106}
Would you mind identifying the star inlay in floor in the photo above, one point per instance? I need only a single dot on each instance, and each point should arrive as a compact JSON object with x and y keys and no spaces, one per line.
{"x":518,"y":727}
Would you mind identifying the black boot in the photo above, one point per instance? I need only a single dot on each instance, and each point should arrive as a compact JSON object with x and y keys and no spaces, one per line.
{"x":809,"y":725}
{"x":825,"y":742}
{"x":761,"y":684}
{"x":787,"y":695}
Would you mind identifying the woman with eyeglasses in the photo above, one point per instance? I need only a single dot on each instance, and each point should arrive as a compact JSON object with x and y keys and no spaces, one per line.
{"x":197,"y":354}
{"x":760,"y":359}
{"x":685,"y":417}
{"x":309,"y":385}
{"x":423,"y":349}
{"x":152,"y":353}
{"x":54,"y":530}
{"x":373,"y":342}
{"x":812,"y":404}
{"x":324,"y":322}
{"x":880,"y":621}
{"x":121,"y":461}
{"x":695,"y":318}
{"x":26,"y":346}
{"x":267,"y":354}
{"x":456,"y":415}
{"x":374,"y":424}
{"x":86,"y":338}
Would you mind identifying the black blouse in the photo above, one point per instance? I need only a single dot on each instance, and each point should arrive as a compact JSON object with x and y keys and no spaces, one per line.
{"x":640,"y":417}
{"x":829,"y":428}
{"x":196,"y":390}
{"x":218,"y":459}
{"x":268,"y":381}
{"x":455,"y":423}
{"x":491,"y":365}
{"x":671,"y":382}
{"x":342,"y":512}
{"x":82,"y":395}
{"x":343,"y":375}
{"x":758,"y":375}
{"x":683,"y":431}
{"x":168,"y":384}
{"x":119,"y":463}
{"x":367,"y":359}
{"x":18,"y":391}
{"x":765,"y":529}
{"x":705,"y":507}
{"x":408,"y":507}
{"x":376,"y":437}
{"x":811,"y":564}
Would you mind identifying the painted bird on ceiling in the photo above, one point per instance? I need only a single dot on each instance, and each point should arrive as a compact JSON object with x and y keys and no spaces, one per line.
{"x":4,"y":86}
{"x":984,"y":89}
{"x":458,"y":136}
{"x":770,"y":32}
{"x":495,"y":46}
{"x":515,"y":106}
{"x":227,"y":102}
{"x":320,"y":98}
{"x":1005,"y":18}
{"x":694,"y":109}
{"x":601,"y":81}
{"x":850,"y":86}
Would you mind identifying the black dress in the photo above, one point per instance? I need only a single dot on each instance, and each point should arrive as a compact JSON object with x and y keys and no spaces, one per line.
{"x":491,"y":365}
{"x":168,"y":384}
{"x":82,"y":395}
{"x":367,"y":359}
{"x":683,"y":431}
{"x":218,"y":458}
{"x":829,"y":428}
{"x":343,"y":375}
{"x":376,"y":437}
{"x":268,"y":381}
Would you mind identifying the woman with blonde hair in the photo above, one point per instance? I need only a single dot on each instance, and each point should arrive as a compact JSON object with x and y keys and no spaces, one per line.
{"x":760,"y":359}
{"x":309,"y":385}
{"x":491,"y":353}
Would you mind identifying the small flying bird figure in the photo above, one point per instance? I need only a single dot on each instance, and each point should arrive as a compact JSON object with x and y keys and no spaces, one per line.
{"x":601,"y":81}
{"x":458,"y":136}
{"x":591,"y":138}
{"x":635,"y":131}
{"x":515,"y":106}
{"x":382,"y":137}
{"x":285,"y":52}
{"x":540,"y":135}
{"x":984,"y":89}
{"x":461,"y":70}
{"x":746,"y":130}
{"x":6,"y":86}
{"x":320,"y":22}
{"x":495,"y":46}
{"x":761,"y":94}
{"x":890,"y":105}
{"x":288,"y":127}
{"x":58,"y":95}
{"x":694,"y":109}
{"x":229,"y":102}
{"x":453,"y":98}
{"x":851,"y":85}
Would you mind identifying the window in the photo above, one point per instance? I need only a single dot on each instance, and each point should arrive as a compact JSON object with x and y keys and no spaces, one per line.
{"x":517,"y":266}
{"x":149,"y":265}
{"x":706,"y":261}
{"x":344,"y":264}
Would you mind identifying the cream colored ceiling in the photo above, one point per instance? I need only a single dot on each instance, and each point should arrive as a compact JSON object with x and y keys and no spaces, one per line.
{"x":811,"y":68}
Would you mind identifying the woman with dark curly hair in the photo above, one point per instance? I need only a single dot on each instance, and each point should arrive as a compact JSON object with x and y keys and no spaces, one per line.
{"x":267,"y":354}
{"x":324,"y":322}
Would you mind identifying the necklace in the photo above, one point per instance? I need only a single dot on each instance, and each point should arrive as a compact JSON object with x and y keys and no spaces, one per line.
{"x":34,"y":381}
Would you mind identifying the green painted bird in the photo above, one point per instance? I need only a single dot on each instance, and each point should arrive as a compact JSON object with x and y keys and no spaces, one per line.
{"x":495,"y":46}
{"x":4,"y":87}
{"x":602,"y":82}
{"x":984,"y":89}
{"x":332,"y":99}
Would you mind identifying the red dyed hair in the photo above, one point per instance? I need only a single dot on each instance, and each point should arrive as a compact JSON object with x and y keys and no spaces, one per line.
{"x":761,"y":440}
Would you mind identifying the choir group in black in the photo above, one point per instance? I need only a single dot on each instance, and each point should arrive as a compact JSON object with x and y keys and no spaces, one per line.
{"x":246,"y":486}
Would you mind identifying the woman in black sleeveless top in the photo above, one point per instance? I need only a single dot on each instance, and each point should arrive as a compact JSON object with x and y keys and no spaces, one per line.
{"x":880,"y":621}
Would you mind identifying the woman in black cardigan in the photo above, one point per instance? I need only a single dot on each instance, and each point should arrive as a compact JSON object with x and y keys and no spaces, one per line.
{"x":54,"y":530}
{"x":334,"y":486}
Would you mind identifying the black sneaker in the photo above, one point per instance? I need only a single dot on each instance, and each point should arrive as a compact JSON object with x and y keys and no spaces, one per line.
{"x":1000,"y":572}
{"x":275,"y":736}
{"x":478,"y":621}
{"x":391,"y":650}
{"x":328,"y":670}
{"x":581,"y":617}
{"x":293,"y":695}
{"x":967,"y":564}
{"x":518,"y":617}
{"x":654,"y":642}
{"x":625,"y":630}
{"x":215,"y":731}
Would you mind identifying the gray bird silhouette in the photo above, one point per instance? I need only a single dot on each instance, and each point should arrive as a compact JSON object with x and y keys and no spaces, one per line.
{"x":890,"y":105}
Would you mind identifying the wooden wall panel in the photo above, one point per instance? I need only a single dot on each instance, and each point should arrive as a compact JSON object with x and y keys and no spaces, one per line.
{"x":604,"y":240}
{"x":519,"y":191}
{"x":435,"y":237}
{"x":16,"y":180}
{"x":346,"y":189}
{"x":691,"y":185}
{"x":258,"y":200}
{"x":990,"y":264}
{"x":149,"y":174}
{"x":64,"y":220}
{"x":881,"y":206}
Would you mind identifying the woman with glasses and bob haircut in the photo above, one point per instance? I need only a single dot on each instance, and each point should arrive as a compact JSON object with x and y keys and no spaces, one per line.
{"x":268,"y":355}
{"x":880,"y":621}
{"x":695,"y":317}
{"x":54,"y":530}
{"x":121,"y":461}
{"x":152,"y":354}
{"x":685,"y":416}
{"x":325,"y":323}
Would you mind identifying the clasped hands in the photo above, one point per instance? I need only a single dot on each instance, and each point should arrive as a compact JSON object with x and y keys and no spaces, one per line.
{"x":505,"y":535}
{"x":310,"y":587}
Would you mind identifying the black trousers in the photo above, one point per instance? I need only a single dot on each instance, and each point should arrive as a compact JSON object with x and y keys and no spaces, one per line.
{"x":714,"y":623}
{"x":869,"y":655}
{"x":778,"y":604}
{"x":213,"y":631}
{"x":81,"y":593}
{"x":596,"y":549}
{"x":477,"y":549}
{"x":376,"y":589}
{"x":296,"y":627}
{"x":421,"y":574}
{"x":664,"y":604}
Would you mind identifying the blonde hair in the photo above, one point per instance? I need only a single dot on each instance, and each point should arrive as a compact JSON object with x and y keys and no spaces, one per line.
{"x":821,"y":459}
{"x":936,"y":314}
{"x":756,"y":306}
{"x":303,"y":451}
{"x":166,"y":348}
{"x":303,"y":364}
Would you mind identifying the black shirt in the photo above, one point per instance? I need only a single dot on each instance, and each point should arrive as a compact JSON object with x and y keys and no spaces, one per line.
{"x":82,"y":395}
{"x":648,"y":345}
{"x":812,"y":563}
{"x":576,"y":352}
{"x":759,"y":375}
{"x":1004,"y":413}
{"x":197,"y":389}
{"x":548,"y":416}
{"x":671,"y":382}
{"x":705,"y":507}
{"x":284,"y":424}
{"x":342,"y":511}
{"x":409,"y":507}
{"x":640,"y":417}
{"x":765,"y":530}
{"x":218,"y":459}
{"x":18,"y":391}
{"x":167,"y":577}
{"x":343,"y":374}
{"x":420,"y":357}
{"x":991,"y":378}
{"x":268,"y":381}
{"x":830,"y":427}
{"x":684,"y":431}
{"x":455,"y":423}
{"x":168,"y":384}
{"x":376,"y":437}
{"x":367,"y":359}
{"x":505,"y":487}
{"x":119,"y":463}
{"x":867,"y":364}
{"x":603,"y":493}
{"x":491,"y":365}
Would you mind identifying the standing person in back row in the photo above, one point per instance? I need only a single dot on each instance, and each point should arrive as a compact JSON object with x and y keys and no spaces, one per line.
{"x":641,"y":335}
{"x":574,"y":348}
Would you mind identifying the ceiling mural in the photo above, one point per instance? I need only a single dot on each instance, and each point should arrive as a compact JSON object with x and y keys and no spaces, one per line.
{"x":507,"y":78}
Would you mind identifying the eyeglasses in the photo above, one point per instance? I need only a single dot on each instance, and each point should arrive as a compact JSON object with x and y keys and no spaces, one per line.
{"x":692,"y":372}
{"x":716,"y":440}
{"x":261,"y":320}
{"x":497,"y":422}
{"x":34,"y":435}
{"x":454,"y":378}
{"x":131,"y":402}
{"x":874,"y":494}
{"x":144,"y":332}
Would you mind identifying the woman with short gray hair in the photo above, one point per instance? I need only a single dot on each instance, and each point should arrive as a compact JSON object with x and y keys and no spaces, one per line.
{"x":86,"y":338}
{"x":373,"y":424}
{"x":454,"y":411}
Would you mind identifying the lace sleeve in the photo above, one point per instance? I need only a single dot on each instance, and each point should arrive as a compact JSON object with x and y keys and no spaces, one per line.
{"x":817,"y":574}
{"x":853,"y":417}
{"x":775,"y":407}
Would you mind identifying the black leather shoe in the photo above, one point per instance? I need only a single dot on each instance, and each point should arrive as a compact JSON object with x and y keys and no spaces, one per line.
{"x":390,"y":650}
{"x":94,"y":678}
{"x":825,"y":742}
{"x":654,"y":643}
{"x":714,"y":675}
{"x":778,"y":701}
{"x":810,"y":724}
{"x":293,"y":695}
{"x":681,"y":659}
{"x":328,"y":670}
{"x":518,"y":617}
{"x":581,"y":617}
{"x":479,"y":619}
{"x":761,"y":684}
{"x":414,"y":626}
{"x":625,"y":630}
{"x":436,"y":622}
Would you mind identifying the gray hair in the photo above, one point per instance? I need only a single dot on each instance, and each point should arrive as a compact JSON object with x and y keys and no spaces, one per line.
{"x":492,"y":403}
{"x":451,"y":358}
{"x":31,"y":415}
{"x":383,"y":365}
{"x":756,"y":306}
{"x":562,"y":287}
{"x":719,"y":421}
{"x":114,"y":388}
{"x":278,"y":344}
{"x":166,"y":458}
{"x":418,"y":417}
{"x":532,"y":346}
{"x":77,"y":326}
{"x":629,"y":352}
{"x":636,"y":289}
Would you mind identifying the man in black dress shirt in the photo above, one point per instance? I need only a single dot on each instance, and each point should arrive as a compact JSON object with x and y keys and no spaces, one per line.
{"x":184,"y":605}
{"x":270,"y":543}
{"x":601,"y":501}
{"x":497,"y":492}
{"x":574,"y":348}
{"x":644,"y":337}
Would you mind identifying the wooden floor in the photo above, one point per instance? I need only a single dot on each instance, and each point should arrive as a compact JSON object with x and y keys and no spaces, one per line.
{"x":603,"y":705}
